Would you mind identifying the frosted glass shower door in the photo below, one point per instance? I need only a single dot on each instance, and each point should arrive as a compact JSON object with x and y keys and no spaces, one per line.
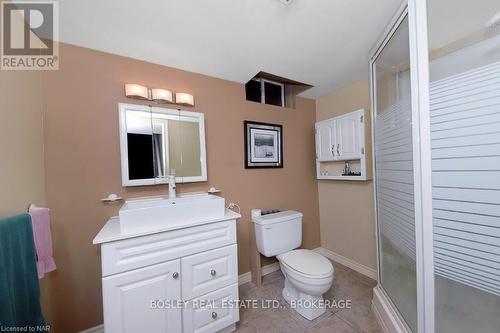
{"x":394,"y":188}
{"x":464,"y":49}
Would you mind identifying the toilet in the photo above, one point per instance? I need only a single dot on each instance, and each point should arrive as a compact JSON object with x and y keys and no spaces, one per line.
{"x":308,"y":275}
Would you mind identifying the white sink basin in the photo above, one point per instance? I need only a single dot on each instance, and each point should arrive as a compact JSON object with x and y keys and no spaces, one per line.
{"x":159,"y":212}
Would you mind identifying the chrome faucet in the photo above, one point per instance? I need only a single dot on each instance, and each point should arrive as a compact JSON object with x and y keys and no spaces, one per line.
{"x":171,"y":187}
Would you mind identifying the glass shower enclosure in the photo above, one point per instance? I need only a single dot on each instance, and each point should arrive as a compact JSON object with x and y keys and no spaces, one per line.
{"x":393,"y":148}
{"x":435,"y":84}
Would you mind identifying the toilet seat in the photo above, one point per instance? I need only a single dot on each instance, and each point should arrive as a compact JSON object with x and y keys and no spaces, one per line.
{"x":307,"y":263}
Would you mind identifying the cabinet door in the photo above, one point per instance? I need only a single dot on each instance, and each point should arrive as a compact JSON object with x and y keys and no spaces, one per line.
{"x":325,"y":141}
{"x":347,"y":133}
{"x":127,"y":300}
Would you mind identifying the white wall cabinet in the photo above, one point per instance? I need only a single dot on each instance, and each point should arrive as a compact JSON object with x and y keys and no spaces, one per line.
{"x":347,"y":127}
{"x":341,"y":139}
{"x":325,"y":141}
{"x":188,"y":265}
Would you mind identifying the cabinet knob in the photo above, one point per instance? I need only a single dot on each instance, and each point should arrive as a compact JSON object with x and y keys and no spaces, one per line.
{"x":213,"y":272}
{"x":338,"y":152}
{"x":175,"y":275}
{"x":214,"y":315}
{"x":333,"y":150}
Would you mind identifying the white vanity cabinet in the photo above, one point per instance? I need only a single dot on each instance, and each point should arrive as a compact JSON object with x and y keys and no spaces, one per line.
{"x":157,"y":281}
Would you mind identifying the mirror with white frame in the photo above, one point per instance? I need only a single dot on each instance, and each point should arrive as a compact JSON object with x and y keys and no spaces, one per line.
{"x":157,"y":142}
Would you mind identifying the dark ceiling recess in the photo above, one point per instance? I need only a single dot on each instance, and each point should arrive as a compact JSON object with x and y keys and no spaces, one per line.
{"x":271,"y":89}
{"x":252,"y":89}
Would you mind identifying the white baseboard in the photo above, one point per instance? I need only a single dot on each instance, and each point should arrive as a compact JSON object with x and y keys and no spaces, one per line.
{"x":365,"y":270}
{"x":268,"y":269}
{"x":247,"y":277}
{"x":385,"y":313}
{"x":96,"y":329}
{"x":244,"y":278}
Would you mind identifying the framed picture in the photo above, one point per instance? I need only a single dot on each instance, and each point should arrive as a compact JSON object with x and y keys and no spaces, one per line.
{"x":263,"y":145}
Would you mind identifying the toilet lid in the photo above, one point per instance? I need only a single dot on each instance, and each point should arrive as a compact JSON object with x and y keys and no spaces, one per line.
{"x":307,"y":262}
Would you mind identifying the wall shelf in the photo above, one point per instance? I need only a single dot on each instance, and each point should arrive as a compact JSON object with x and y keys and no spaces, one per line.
{"x":358,"y":178}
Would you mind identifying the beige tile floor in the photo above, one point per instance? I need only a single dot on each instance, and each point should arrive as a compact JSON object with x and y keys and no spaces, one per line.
{"x":348,"y":285}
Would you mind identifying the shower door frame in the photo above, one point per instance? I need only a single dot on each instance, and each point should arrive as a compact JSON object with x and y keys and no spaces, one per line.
{"x":416,"y":11}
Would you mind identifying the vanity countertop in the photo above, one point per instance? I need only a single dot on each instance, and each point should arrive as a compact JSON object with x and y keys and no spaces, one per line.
{"x":111,"y":231}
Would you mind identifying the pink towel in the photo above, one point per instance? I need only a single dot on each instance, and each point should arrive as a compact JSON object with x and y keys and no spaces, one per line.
{"x":40,"y":218}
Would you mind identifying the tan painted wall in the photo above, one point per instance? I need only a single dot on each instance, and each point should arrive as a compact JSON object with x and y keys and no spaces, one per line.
{"x":22,"y":175}
{"x":83,"y":164}
{"x":183,"y":144}
{"x":22,"y":171}
{"x":184,"y":156}
{"x":346,"y":207}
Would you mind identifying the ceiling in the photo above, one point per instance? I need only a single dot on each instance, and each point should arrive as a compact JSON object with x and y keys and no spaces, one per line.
{"x":324,"y":43}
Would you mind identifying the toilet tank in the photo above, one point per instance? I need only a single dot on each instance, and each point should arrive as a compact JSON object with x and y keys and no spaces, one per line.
{"x":278,"y":233}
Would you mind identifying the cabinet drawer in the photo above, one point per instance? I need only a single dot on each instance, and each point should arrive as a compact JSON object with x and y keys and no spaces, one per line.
{"x":208,"y":271}
{"x":221,"y":312}
{"x":128,"y":254}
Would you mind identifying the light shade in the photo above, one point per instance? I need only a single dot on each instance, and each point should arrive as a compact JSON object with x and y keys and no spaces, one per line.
{"x":162,"y":95}
{"x":184,"y":99}
{"x":136,"y":91}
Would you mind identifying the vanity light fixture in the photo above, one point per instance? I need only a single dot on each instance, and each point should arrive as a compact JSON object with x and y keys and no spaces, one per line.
{"x":136,"y":91}
{"x":158,"y":95}
{"x":184,"y":99}
{"x":162,"y":95}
